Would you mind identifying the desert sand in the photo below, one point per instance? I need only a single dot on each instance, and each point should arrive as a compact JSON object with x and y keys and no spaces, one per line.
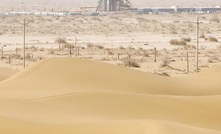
{"x":87,"y":97}
{"x":112,"y":84}
{"x":6,"y":73}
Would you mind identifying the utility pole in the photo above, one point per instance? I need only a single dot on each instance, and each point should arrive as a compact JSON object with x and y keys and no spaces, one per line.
{"x":16,"y":51}
{"x":24,"y":46}
{"x":70,"y":50}
{"x":76,"y":52}
{"x":187,"y":62}
{"x":197,"y":46}
{"x":48,"y":5}
{"x":155,"y":54}
{"x":2,"y":51}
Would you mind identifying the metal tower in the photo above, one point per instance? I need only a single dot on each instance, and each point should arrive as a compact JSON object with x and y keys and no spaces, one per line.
{"x":113,"y":5}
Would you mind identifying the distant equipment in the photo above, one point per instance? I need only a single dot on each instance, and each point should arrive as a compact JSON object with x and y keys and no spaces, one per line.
{"x":87,"y":8}
{"x":34,"y":8}
{"x":113,"y":5}
{"x":24,"y":7}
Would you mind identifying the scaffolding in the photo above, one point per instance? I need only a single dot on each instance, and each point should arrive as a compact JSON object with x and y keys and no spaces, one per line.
{"x":113,"y":5}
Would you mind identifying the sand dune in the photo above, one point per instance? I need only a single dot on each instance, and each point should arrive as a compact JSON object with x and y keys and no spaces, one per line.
{"x":117,"y":127}
{"x":48,"y":77}
{"x":63,"y":95}
{"x":6,"y":73}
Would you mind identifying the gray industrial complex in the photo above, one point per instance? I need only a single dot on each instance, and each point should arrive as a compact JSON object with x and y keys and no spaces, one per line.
{"x":105,"y":7}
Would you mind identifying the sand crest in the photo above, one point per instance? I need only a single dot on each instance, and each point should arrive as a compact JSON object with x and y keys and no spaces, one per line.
{"x":64,"y":95}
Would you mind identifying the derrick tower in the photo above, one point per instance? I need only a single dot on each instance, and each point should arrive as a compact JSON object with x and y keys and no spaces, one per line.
{"x":113,"y":5}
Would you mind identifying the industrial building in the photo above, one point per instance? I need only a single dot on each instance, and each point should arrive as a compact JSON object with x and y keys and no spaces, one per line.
{"x":113,"y":5}
{"x":108,"y":7}
{"x":163,"y":10}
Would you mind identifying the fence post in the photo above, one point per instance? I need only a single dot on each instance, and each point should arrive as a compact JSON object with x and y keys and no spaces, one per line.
{"x":187,"y":62}
{"x":155,"y":54}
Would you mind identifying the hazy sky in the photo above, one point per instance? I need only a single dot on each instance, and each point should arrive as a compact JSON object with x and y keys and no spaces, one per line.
{"x":138,"y":3}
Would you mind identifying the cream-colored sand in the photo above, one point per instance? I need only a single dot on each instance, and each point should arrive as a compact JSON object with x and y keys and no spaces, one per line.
{"x":6,"y":73}
{"x":63,"y":95}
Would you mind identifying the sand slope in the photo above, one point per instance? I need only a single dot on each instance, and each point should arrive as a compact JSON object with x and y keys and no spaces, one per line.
{"x":117,"y":127}
{"x":64,"y":95}
{"x":6,"y":73}
{"x":77,"y":75}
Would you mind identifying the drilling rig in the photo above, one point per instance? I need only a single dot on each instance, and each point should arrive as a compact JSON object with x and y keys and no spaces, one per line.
{"x":113,"y":5}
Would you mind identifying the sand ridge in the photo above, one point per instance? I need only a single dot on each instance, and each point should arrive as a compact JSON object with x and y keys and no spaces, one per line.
{"x":67,"y":95}
{"x":80,"y":75}
{"x":6,"y":73}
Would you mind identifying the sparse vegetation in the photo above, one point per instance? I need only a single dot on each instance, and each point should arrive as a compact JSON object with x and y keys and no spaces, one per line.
{"x":213,"y":59}
{"x":131,"y":63}
{"x":146,"y":54}
{"x":110,"y":53}
{"x":215,"y":19}
{"x":212,"y":39}
{"x":100,"y":47}
{"x":90,"y":45}
{"x":177,"y":42}
{"x":165,"y":62}
{"x":203,"y":36}
{"x":134,"y":51}
{"x":60,"y":41}
{"x":186,"y":39}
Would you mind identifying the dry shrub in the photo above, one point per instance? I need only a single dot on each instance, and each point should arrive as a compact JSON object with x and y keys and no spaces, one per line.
{"x":80,"y":21}
{"x":110,"y":53}
{"x":51,"y":51}
{"x":67,"y":45}
{"x":213,"y":60}
{"x":40,"y":57}
{"x":122,"y":48}
{"x":131,"y":63}
{"x":173,"y":32}
{"x":202,"y":36}
{"x":184,"y":31}
{"x":212,"y":39}
{"x":114,"y":17}
{"x":60,"y":40}
{"x":130,"y":48}
{"x":203,"y":17}
{"x":63,"y":20}
{"x":176,"y":21}
{"x":208,"y":32}
{"x":90,"y":45}
{"x":165,"y":74}
{"x":190,"y":47}
{"x":107,"y":49}
{"x":29,"y":56}
{"x":187,"y":39}
{"x":33,"y":48}
{"x":96,"y":19}
{"x":215,"y":19}
{"x":165,"y":62}
{"x":190,"y":25}
{"x":42,"y":49}
{"x":141,"y":19}
{"x":17,"y":56}
{"x":146,"y":54}
{"x":177,"y":42}
{"x":100,"y":47}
